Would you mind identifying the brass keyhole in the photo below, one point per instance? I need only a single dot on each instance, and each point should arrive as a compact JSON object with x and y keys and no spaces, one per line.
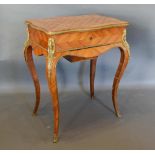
{"x":91,"y":38}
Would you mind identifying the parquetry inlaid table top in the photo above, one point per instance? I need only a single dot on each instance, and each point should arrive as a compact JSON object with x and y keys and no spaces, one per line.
{"x":76,"y":38}
{"x":75,"y":23}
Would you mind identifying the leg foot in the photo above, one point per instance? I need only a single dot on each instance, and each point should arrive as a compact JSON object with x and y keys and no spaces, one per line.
{"x":118,"y":115}
{"x":34,"y":114}
{"x":55,"y":138}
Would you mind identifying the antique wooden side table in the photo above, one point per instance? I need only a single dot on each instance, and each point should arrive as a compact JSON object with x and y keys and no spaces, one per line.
{"x":75,"y":38}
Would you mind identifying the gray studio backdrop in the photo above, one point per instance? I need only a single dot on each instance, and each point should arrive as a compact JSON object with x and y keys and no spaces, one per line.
{"x":14,"y":75}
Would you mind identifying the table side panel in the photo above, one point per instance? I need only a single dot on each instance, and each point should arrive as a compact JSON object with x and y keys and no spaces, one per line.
{"x":72,"y":41}
{"x":38,"y":40}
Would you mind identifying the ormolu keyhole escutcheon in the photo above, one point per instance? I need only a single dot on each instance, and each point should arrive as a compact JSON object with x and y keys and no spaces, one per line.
{"x":90,"y":38}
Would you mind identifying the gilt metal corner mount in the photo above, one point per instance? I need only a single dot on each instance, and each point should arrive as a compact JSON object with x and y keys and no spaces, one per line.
{"x":51,"y":50}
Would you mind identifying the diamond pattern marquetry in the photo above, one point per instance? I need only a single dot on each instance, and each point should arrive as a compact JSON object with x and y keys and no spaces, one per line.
{"x":74,"y":23}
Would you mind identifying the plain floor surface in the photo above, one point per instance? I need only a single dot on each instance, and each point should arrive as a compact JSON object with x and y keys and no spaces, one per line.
{"x":84,"y":123}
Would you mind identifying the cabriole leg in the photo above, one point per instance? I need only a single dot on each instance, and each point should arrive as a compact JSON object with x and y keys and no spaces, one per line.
{"x":92,"y":76}
{"x":125,"y":53}
{"x":32,"y":69}
{"x":52,"y":84}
